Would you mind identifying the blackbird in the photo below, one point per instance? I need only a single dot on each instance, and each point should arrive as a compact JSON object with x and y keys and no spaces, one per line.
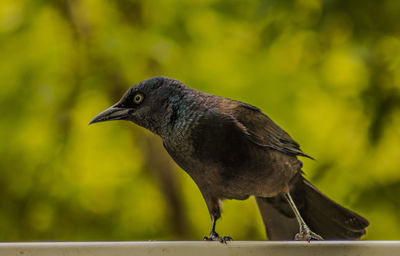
{"x":232,"y":151}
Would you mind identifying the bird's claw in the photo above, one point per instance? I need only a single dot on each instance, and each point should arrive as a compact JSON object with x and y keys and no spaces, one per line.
{"x":215,"y":237}
{"x":306,"y":234}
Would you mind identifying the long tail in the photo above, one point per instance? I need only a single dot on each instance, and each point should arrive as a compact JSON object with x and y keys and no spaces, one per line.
{"x":325,"y":217}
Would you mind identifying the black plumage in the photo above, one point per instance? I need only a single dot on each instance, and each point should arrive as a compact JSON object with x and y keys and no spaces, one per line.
{"x":232,"y":151}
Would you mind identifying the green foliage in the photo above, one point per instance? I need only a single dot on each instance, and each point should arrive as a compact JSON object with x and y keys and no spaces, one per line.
{"x":328,"y":72}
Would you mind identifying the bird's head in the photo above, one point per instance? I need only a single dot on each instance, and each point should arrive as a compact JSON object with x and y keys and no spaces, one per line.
{"x":146,"y":104}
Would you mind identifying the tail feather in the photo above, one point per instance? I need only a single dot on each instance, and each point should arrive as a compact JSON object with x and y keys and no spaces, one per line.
{"x":324,"y":216}
{"x":277,"y":225}
{"x":329,"y":218}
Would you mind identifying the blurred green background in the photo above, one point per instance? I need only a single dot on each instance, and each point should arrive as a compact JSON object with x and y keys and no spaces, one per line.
{"x":328,"y":72}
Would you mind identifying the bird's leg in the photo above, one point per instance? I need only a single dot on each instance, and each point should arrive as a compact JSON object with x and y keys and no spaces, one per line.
{"x":213,"y":236}
{"x":305,"y":233}
{"x":215,"y":212}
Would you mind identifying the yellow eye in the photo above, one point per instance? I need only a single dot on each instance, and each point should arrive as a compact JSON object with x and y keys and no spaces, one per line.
{"x":138,"y":98}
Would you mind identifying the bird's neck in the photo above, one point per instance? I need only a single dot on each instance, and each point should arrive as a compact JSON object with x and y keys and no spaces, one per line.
{"x":184,"y":110}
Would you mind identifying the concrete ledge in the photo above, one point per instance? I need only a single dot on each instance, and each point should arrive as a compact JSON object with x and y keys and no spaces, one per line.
{"x":189,"y":248}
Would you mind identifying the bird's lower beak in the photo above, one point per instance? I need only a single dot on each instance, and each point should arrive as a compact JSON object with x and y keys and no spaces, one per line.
{"x":111,"y":113}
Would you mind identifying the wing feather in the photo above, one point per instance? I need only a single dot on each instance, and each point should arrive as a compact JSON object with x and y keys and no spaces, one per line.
{"x":262,"y":131}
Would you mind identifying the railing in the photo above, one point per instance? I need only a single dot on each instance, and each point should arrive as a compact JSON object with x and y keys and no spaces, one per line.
{"x":189,"y":248}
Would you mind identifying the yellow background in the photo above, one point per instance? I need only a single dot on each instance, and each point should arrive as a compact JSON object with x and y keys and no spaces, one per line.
{"x":328,"y":72}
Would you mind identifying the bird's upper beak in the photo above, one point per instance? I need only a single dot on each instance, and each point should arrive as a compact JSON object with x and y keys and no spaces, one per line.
{"x":111,"y":113}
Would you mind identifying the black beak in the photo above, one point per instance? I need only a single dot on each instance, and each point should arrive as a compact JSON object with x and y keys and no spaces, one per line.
{"x":111,"y":113}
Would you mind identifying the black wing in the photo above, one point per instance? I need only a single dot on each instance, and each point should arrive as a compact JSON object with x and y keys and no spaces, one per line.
{"x":262,"y":131}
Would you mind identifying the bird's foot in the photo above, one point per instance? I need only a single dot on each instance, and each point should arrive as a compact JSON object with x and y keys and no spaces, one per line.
{"x":215,"y":237}
{"x":306,"y":234}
